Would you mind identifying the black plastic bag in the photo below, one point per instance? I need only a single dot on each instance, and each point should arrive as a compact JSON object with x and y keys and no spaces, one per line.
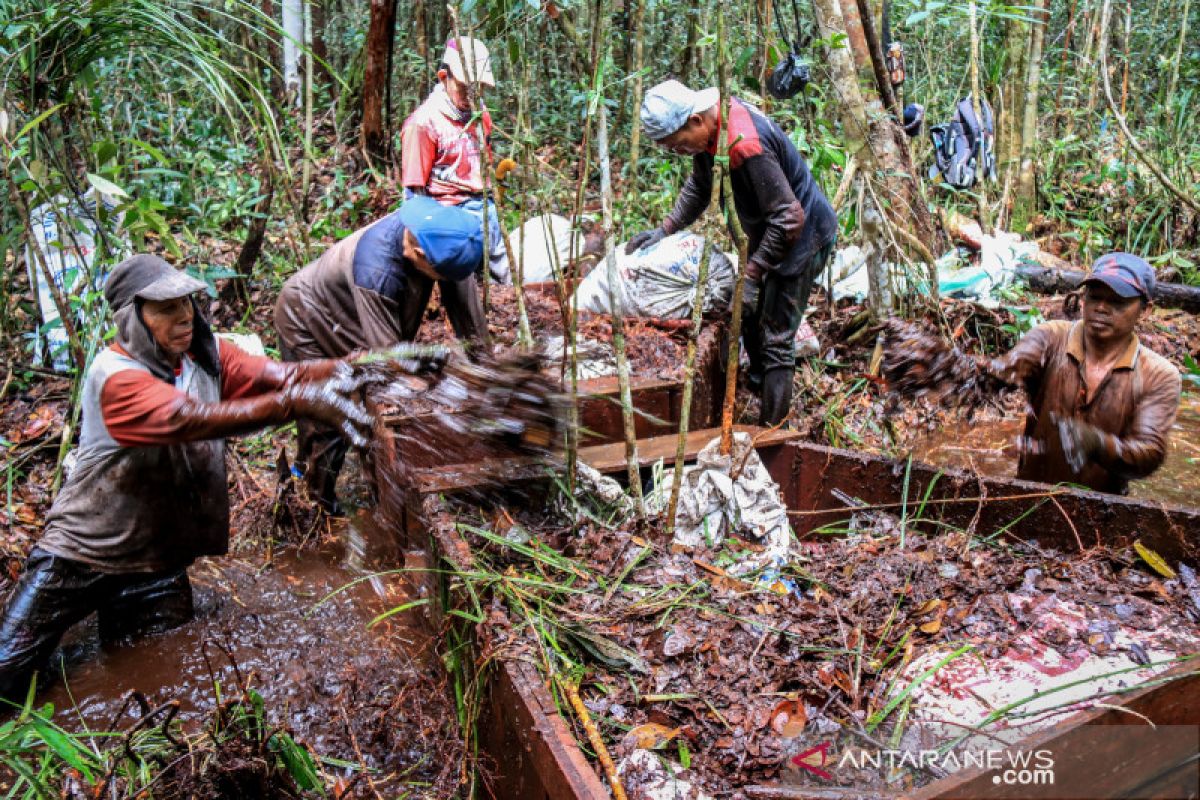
{"x":789,"y":77}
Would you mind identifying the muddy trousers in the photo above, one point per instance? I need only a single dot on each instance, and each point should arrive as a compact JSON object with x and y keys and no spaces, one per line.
{"x":320,"y":449}
{"x":54,"y":593}
{"x":769,"y":333}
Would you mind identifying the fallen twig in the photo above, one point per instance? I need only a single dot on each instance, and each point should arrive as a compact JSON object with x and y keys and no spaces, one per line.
{"x":589,"y":727}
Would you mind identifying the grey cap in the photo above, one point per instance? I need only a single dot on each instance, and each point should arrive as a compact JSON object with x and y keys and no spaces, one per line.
{"x":667,"y":106}
{"x":150,"y":278}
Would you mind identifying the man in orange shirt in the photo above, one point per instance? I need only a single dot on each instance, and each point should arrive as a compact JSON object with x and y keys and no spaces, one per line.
{"x":148,"y":495}
{"x":440,"y":144}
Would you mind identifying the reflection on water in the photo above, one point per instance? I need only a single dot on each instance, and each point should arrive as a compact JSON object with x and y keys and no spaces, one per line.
{"x":990,"y":448}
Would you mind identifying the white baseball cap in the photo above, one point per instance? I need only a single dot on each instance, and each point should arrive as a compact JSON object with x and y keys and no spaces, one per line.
{"x":667,"y":106}
{"x":481,"y":66}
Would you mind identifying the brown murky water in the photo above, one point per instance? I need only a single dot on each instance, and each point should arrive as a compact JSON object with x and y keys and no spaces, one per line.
{"x":297,"y":627}
{"x":990,"y":448}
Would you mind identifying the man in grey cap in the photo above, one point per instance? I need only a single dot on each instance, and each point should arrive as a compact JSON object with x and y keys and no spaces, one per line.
{"x":147,"y":495}
{"x":1101,"y":404}
{"x":790,"y":225}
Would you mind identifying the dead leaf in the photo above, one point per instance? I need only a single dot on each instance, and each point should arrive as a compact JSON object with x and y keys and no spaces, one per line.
{"x":1156,"y":562}
{"x":789,"y":718}
{"x":651,"y":736}
{"x":932,"y":627}
{"x":928,"y":607}
{"x":35,"y":425}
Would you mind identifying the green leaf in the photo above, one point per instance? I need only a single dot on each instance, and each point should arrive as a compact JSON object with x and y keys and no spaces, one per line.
{"x":915,"y":17}
{"x":154,"y":152}
{"x":33,"y":123}
{"x":63,"y":745}
{"x":400,"y":609}
{"x":105,"y":186}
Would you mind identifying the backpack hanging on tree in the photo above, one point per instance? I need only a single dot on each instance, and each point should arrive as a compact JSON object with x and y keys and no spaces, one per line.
{"x":964,"y":148}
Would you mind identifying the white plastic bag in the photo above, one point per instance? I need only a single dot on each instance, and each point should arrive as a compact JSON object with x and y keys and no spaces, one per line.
{"x":64,"y":235}
{"x":660,"y":280}
{"x":547,"y":247}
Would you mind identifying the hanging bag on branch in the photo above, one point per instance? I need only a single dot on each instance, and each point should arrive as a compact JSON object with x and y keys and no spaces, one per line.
{"x":791,"y":74}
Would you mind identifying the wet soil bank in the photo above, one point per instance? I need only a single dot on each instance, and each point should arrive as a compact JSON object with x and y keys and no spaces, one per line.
{"x":295,"y":627}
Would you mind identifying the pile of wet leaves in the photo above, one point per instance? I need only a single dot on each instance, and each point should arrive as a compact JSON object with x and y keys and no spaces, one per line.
{"x":727,"y":677}
{"x":500,"y":400}
{"x":31,"y":430}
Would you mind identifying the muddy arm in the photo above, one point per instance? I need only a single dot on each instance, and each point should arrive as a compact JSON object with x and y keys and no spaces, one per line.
{"x":1143,"y":450}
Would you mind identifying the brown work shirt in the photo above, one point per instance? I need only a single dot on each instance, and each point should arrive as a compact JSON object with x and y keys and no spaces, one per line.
{"x":1134,"y":406}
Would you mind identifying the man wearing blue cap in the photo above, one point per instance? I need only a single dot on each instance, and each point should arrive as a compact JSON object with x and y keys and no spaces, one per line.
{"x":370,"y":291}
{"x":1101,"y":404}
{"x":790,"y":225}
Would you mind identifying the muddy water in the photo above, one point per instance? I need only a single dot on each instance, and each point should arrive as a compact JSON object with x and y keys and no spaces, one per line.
{"x":990,"y":448}
{"x":321,"y":670}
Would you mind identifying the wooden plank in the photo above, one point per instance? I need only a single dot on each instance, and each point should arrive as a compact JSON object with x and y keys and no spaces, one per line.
{"x":605,"y":458}
{"x":1052,"y":515}
{"x":610,"y":458}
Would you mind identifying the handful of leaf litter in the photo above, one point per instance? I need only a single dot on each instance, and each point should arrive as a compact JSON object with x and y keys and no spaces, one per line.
{"x":502,"y":396}
{"x":918,"y":363}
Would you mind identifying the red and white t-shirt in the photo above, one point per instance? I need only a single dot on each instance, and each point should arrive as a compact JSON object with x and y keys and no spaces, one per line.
{"x":439,"y":151}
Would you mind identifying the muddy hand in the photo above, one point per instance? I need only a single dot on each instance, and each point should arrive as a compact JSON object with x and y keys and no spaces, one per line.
{"x":644,"y":239}
{"x":414,"y":359}
{"x":330,"y":402}
{"x":1080,"y":441}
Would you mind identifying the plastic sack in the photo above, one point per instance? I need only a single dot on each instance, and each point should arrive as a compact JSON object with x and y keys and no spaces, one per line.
{"x":660,"y":280}
{"x":714,"y":504}
{"x":547,"y":246}
{"x":64,"y":234}
{"x":789,"y":77}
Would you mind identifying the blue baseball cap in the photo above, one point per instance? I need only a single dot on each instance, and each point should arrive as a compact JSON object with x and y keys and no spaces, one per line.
{"x":1125,"y":274}
{"x":451,"y":238}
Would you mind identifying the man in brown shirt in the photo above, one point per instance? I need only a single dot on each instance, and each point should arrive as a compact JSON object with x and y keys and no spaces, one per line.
{"x":1101,"y":404}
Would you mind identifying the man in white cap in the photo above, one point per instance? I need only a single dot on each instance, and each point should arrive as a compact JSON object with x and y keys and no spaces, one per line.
{"x":440,"y":152}
{"x":790,"y":225}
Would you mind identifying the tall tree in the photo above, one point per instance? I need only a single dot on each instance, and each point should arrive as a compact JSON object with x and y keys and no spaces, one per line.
{"x":1025,"y":201}
{"x":376,"y":76}
{"x":878,"y":144}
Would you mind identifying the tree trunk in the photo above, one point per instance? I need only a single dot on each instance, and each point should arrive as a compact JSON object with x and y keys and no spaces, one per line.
{"x":1062,"y":67}
{"x":1025,"y":202}
{"x":639,"y":59}
{"x":293,"y":30}
{"x":878,"y":144}
{"x":1174,"y":79}
{"x":1016,"y":46}
{"x":856,"y":37}
{"x":320,"y":17}
{"x":765,"y":7}
{"x":883,"y":79}
{"x":687,"y":60}
{"x":420,"y":34}
{"x":381,"y":30}
{"x":274,"y":51}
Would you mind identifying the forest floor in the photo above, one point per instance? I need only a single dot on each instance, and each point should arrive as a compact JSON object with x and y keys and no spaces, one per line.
{"x":365,"y":695}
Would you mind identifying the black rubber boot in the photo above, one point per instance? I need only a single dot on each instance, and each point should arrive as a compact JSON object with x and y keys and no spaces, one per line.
{"x":776,"y":396}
